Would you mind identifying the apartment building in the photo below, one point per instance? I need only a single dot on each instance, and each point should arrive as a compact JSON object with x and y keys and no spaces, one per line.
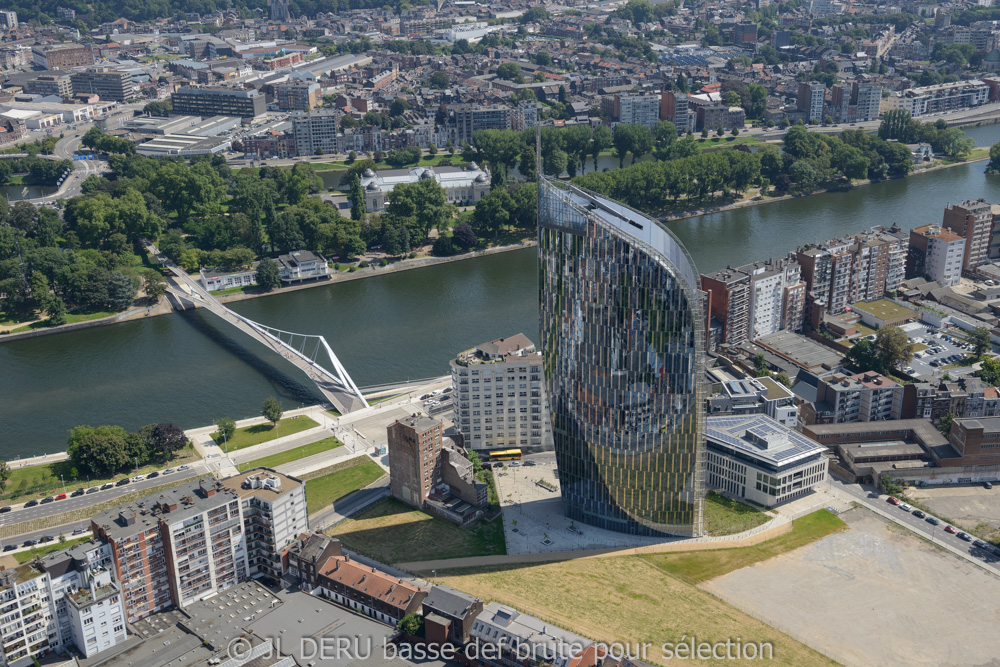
{"x":467,"y":118}
{"x":28,"y":625}
{"x":810,"y":99}
{"x":105,"y":82}
{"x":946,"y":97}
{"x":756,"y":458}
{"x":316,"y":131}
{"x":498,"y":395}
{"x":729,"y":303}
{"x":674,"y":107}
{"x":217,"y":101}
{"x":637,"y":110}
{"x":973,"y":221}
{"x":90,"y":610}
{"x":745,"y":34}
{"x":937,"y":254}
{"x":62,"y":56}
{"x":368,"y":590}
{"x":865,"y":397}
{"x":297,"y":96}
{"x":50,"y":84}
{"x":273,"y":507}
{"x":414,"y":458}
{"x":525,"y":116}
{"x":176,"y":547}
{"x":8,"y":19}
{"x":867,"y":98}
{"x":777,"y":296}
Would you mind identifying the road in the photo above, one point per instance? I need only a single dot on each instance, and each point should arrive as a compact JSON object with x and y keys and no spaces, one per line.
{"x":872,"y":499}
{"x":20,"y":513}
{"x":350,"y":504}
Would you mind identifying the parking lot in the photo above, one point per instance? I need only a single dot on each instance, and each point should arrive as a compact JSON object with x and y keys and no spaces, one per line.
{"x":970,"y":506}
{"x":943,"y":349}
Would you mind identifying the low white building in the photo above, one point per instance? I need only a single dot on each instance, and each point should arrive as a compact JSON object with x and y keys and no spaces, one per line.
{"x":214,"y":279}
{"x":756,"y":458}
{"x":302,"y":265}
{"x":464,"y":187}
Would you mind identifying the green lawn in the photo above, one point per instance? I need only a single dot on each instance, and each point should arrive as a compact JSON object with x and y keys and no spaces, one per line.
{"x":275,"y":460}
{"x":72,"y":317}
{"x":695,"y":567}
{"x":726,"y":141}
{"x":8,"y":320}
{"x":248,"y":436}
{"x":725,"y":516}
{"x":31,"y":554}
{"x":425,"y":161}
{"x":44,"y":480}
{"x":329,"y":485}
{"x":234,"y":290}
{"x":393,"y":532}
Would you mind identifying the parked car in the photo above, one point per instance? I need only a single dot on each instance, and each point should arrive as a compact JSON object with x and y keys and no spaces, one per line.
{"x":152,"y":475}
{"x":31,"y":503}
{"x":61,"y":496}
{"x":893,"y":500}
{"x":46,"y":538}
{"x":10,"y":547}
{"x":905,"y":507}
{"x":48,"y":499}
{"x":530,"y":463}
{"x":5,"y":509}
{"x":987,"y":485}
{"x":138,"y":478}
{"x":92,"y":489}
{"x":78,"y":531}
{"x":78,"y":493}
{"x":919,"y":514}
{"x":184,"y":467}
{"x":964,"y":536}
{"x":169,"y":470}
{"x":933,"y":520}
{"x":123,"y":482}
{"x":109,"y":485}
{"x":950,"y":529}
{"x":29,"y":543}
{"x":980,"y":544}
{"x":514,"y":464}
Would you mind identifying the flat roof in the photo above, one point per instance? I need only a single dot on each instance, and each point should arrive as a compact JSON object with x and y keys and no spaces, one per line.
{"x":237,"y":485}
{"x":883,"y":309}
{"x":800,"y":350}
{"x":761,"y":438}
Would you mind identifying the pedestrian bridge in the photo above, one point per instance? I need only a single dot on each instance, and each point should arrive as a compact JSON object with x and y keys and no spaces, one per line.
{"x":309,"y":353}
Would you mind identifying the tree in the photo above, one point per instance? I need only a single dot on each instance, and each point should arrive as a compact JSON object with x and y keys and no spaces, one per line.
{"x":398,"y":107}
{"x":424,"y":203}
{"x":357,"y":199}
{"x":760,"y":367}
{"x":165,"y":438}
{"x":440,"y":80}
{"x":543,"y":59}
{"x":121,"y":291}
{"x":154,"y":285}
{"x":493,"y":212}
{"x":601,"y":140}
{"x":4,"y":475}
{"x":272,"y":410}
{"x":348,"y":122}
{"x":981,"y":342}
{"x":945,"y":424}
{"x":994,"y":165}
{"x":735,"y":132}
{"x":783,"y":378}
{"x":226,"y":428}
{"x":464,"y":237}
{"x":990,"y":371}
{"x":268,"y":274}
{"x":865,"y":356}
{"x":893,"y":347}
{"x":100,"y":450}
{"x":412,"y":625}
{"x":510,"y":72}
{"x":432,"y":150}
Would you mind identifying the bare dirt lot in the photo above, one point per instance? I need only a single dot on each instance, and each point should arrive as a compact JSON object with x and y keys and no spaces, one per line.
{"x":970,"y":506}
{"x":873,"y":595}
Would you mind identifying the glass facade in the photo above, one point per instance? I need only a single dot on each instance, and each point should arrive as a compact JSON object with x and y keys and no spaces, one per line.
{"x":622,"y":334}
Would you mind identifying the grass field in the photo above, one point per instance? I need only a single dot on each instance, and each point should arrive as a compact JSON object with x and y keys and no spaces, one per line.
{"x":280,"y":458}
{"x":393,"y":532}
{"x":331,"y":484}
{"x":248,"y":436}
{"x":72,"y":317}
{"x":31,"y":554}
{"x":698,"y":566}
{"x":43,"y":480}
{"x":725,"y":516}
{"x":626,"y":599}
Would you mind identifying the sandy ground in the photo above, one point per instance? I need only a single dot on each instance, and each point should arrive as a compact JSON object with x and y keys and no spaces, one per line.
{"x":970,"y":505}
{"x":873,"y":595}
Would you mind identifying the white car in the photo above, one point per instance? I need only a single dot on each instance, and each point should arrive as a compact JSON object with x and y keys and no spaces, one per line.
{"x":905,"y":507}
{"x":138,"y":478}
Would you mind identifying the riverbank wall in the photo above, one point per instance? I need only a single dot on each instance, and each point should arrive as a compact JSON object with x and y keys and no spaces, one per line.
{"x":170,"y":304}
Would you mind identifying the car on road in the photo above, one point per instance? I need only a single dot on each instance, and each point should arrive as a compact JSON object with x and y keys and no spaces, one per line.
{"x":905,"y":507}
{"x":45,"y":538}
{"x":919,"y":514}
{"x":184,"y":467}
{"x":964,"y":536}
{"x":31,"y":503}
{"x":893,"y":500}
{"x":5,"y":509}
{"x":950,"y":529}
{"x":61,"y":496}
{"x":48,"y":499}
{"x":987,"y":485}
{"x":514,"y":464}
{"x":123,"y":482}
{"x":109,"y":485}
{"x":980,"y":544}
{"x":78,"y":493}
{"x":29,"y":543}
{"x":169,"y":470}
{"x":933,"y":520}
{"x":530,"y":463}
{"x":77,"y":531}
{"x":138,"y":478}
{"x":92,"y":489}
{"x":10,"y":547}
{"x":152,"y":475}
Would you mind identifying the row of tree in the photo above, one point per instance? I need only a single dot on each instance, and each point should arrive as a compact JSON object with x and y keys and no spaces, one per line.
{"x":107,"y":450}
{"x":949,"y":141}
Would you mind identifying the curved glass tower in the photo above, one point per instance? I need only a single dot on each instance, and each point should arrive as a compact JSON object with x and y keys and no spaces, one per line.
{"x":622,"y":336}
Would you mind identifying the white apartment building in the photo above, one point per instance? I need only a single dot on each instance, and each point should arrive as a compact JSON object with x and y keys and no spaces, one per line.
{"x":865,"y":397}
{"x":945,"y":97}
{"x":274,"y":515}
{"x":756,"y":458}
{"x":498,"y":394}
{"x":639,"y":110}
{"x":27,"y":615}
{"x":868,"y":97}
{"x":937,"y":253}
{"x":774,"y":285}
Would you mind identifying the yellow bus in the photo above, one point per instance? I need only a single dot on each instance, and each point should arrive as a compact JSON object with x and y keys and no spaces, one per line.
{"x":506,"y":455}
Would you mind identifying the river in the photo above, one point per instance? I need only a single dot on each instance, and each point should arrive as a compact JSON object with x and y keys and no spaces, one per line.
{"x":190,"y":369}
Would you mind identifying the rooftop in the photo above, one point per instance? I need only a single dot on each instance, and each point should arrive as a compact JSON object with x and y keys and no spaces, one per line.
{"x":761,"y":438}
{"x":803,"y":352}
{"x":261,"y":482}
{"x":448,"y":601}
{"x":500,"y":350}
{"x":884,"y":309}
{"x":173,"y":505}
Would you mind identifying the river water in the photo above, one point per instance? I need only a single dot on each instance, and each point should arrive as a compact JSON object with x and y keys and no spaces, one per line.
{"x":190,"y":369}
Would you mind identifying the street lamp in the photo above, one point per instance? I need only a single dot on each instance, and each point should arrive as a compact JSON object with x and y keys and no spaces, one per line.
{"x":63,"y":483}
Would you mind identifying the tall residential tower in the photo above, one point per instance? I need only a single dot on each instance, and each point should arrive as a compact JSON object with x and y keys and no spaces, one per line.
{"x":622,"y":334}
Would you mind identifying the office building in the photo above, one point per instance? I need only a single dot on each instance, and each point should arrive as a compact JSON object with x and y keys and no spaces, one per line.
{"x":973,"y":221}
{"x":176,"y":547}
{"x":810,"y":100}
{"x":623,"y":342}
{"x":499,"y":396}
{"x":297,"y":96}
{"x":865,"y":397}
{"x":8,"y":20}
{"x":467,"y":118}
{"x":64,"y":56}
{"x":674,"y":107}
{"x":246,"y":104}
{"x":105,"y":82}
{"x":756,"y":458}
{"x":752,"y":396}
{"x":935,"y":253}
{"x":274,"y":513}
{"x":414,"y":461}
{"x":58,"y":85}
{"x":637,"y":110}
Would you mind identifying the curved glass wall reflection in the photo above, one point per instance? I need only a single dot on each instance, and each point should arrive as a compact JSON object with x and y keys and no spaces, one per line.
{"x":622,"y":338}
